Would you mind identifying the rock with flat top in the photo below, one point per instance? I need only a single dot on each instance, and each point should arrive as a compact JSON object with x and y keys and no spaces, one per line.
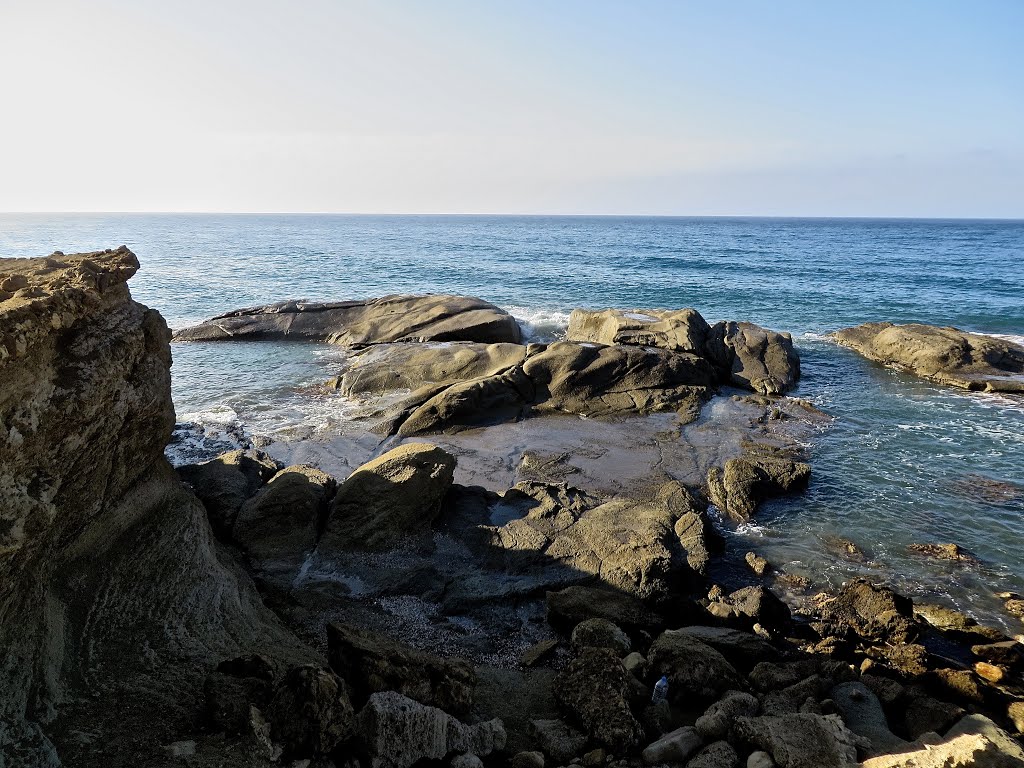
{"x":944,"y":355}
{"x":437,"y":317}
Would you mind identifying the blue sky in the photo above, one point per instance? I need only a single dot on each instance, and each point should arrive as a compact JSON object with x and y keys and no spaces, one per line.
{"x":785,"y":108}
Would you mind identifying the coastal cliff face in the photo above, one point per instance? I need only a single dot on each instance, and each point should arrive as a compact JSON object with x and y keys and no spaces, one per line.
{"x":112,"y":594}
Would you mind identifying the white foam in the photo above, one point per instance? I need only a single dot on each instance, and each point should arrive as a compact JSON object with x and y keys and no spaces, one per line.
{"x":1011,"y":337}
{"x":540,"y":324}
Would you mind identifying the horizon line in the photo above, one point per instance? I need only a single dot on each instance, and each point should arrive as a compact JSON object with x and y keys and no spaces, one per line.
{"x":518,"y":215}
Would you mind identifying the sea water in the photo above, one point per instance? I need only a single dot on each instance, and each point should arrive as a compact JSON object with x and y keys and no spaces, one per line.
{"x":899,"y":464}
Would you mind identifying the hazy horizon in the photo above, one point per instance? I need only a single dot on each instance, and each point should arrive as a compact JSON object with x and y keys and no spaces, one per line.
{"x":795,"y":110}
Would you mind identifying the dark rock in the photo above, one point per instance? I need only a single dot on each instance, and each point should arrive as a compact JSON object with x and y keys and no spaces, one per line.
{"x":568,"y":607}
{"x":693,"y":668}
{"x":284,"y":517}
{"x":925,"y":713}
{"x":718,"y":718}
{"x":390,"y":498}
{"x":749,"y":606}
{"x":558,"y":740}
{"x":870,"y":611}
{"x":311,"y":713}
{"x":674,"y":747}
{"x":600,"y":633}
{"x":397,"y":732}
{"x":753,"y":357}
{"x":527,"y":760}
{"x":949,"y":552}
{"x":720,"y":754}
{"x":229,"y":699}
{"x":862,"y":712}
{"x":357,"y":323}
{"x":769,"y":676}
{"x":538,"y":652}
{"x":223,"y":484}
{"x":742,"y":649}
{"x":800,"y":740}
{"x":594,"y":691}
{"x":370,"y":662}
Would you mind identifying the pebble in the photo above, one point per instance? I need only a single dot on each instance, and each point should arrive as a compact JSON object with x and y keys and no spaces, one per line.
{"x":760,"y":760}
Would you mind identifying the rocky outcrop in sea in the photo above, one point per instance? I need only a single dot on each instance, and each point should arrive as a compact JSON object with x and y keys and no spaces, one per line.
{"x":525,"y":541}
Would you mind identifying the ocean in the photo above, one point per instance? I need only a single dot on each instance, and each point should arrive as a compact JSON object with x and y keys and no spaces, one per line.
{"x":902,"y":461}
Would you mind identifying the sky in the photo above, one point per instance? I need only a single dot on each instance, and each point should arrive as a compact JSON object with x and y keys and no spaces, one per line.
{"x":908,"y":108}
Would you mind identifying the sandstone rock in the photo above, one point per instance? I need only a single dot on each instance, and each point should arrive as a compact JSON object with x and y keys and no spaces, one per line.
{"x":757,"y":564}
{"x":1015,"y":713}
{"x":357,"y":323}
{"x":558,"y":740}
{"x":396,"y":495}
{"x":945,"y":355}
{"x":225,"y":483}
{"x":397,"y":732}
{"x":873,"y":612}
{"x":745,"y":482}
{"x":949,"y":552}
{"x":694,"y":669}
{"x":980,"y":725}
{"x":800,"y":740}
{"x":749,"y":607}
{"x":1009,"y":653}
{"x":600,"y":633}
{"x":718,"y":718}
{"x":674,"y":747}
{"x":754,"y":357}
{"x":594,"y":690}
{"x":720,"y":754}
{"x":284,"y":517}
{"x":311,"y":713}
{"x":862,"y":712}
{"x":742,"y":649}
{"x":370,"y":662}
{"x":677,"y":331}
{"x":968,"y":751}
{"x":568,"y":607}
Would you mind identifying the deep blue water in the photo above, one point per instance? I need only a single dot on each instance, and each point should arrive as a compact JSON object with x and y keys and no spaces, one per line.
{"x":890,"y":471}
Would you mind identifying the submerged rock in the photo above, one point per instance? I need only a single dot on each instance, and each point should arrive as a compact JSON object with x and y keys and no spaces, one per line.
{"x":870,"y":611}
{"x":746,"y":481}
{"x":357,"y":323}
{"x":945,"y":355}
{"x":390,"y":498}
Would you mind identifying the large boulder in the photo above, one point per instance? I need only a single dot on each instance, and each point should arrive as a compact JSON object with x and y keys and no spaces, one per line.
{"x":392,"y":497}
{"x":283,"y":519}
{"x":762,"y":473}
{"x":862,"y":712}
{"x":871,"y":612}
{"x":675,"y":330}
{"x":311,"y":712}
{"x":945,"y":355}
{"x":800,"y":740}
{"x":594,"y":690}
{"x":753,"y":357}
{"x":743,"y":649}
{"x":358,"y":323}
{"x":225,"y":483}
{"x":693,"y":668}
{"x":397,"y":732}
{"x":568,"y":607}
{"x":370,"y":662}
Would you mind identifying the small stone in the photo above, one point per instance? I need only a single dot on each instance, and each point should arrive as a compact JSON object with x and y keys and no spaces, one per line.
{"x":537,"y":653}
{"x":468,"y":760}
{"x":990,"y":672}
{"x":594,"y":757}
{"x":1015,"y":606}
{"x":528,"y":760}
{"x":1015,"y":713}
{"x":181,"y":748}
{"x":674,"y":747}
{"x":757,"y":564}
{"x":635,"y":663}
{"x":760,"y":760}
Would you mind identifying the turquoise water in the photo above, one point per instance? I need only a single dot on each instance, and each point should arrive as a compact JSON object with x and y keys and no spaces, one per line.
{"x":895,"y":467}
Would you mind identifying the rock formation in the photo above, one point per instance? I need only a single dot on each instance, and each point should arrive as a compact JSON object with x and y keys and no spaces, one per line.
{"x":945,"y":355}
{"x":357,"y":323}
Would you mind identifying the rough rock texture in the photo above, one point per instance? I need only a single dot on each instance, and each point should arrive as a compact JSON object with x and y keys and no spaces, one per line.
{"x":743,"y":649}
{"x":759,"y":474}
{"x":968,"y":751}
{"x":754,"y":357}
{"x":945,"y":355}
{"x":674,"y":747}
{"x":568,"y":607}
{"x":391,"y":497}
{"x":594,"y":691}
{"x":112,"y":589}
{"x":284,"y":518}
{"x":558,"y":740}
{"x":600,"y":633}
{"x":311,"y":713}
{"x":718,"y":718}
{"x":870,"y":611}
{"x":720,"y":754}
{"x":565,"y":536}
{"x":862,"y":712}
{"x":223,"y":484}
{"x":744,"y":354}
{"x":370,"y":662}
{"x":800,"y":740}
{"x":693,"y":668}
{"x":398,"y":732}
{"x":357,"y":323}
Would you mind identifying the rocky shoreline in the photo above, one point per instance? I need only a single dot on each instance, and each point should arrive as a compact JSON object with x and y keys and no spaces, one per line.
{"x":525,"y":540}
